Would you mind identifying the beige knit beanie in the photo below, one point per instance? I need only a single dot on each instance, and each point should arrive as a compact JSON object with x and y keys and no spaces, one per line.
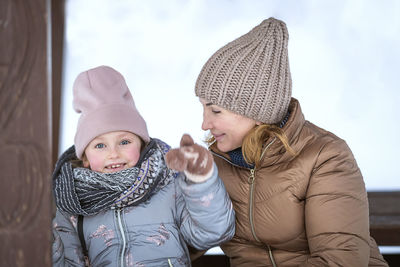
{"x":250,"y":75}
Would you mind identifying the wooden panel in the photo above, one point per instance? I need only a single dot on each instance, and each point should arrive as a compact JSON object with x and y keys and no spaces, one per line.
{"x":384,"y":208}
{"x":57,"y":43}
{"x":25,"y":135}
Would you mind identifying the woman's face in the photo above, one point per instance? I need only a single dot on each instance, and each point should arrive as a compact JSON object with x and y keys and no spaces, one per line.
{"x":228,"y":128}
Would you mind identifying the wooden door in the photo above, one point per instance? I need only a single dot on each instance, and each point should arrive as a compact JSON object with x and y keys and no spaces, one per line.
{"x":27,"y":141}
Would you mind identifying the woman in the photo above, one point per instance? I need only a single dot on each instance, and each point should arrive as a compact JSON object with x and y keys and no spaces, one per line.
{"x":298,"y":194}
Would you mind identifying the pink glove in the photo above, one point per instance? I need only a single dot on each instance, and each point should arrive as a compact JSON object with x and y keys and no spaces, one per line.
{"x":194,"y":160}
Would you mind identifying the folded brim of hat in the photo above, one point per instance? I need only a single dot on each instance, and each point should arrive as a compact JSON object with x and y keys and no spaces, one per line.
{"x":113,"y":117}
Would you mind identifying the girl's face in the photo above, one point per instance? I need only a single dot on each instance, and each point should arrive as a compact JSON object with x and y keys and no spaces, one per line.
{"x":112,"y":152}
{"x":228,"y":128}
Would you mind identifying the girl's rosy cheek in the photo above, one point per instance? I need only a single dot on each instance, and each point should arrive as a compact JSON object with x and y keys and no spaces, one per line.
{"x":96,"y":163}
{"x":134,"y":155}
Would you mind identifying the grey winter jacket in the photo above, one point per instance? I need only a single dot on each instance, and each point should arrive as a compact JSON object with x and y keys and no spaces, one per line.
{"x":155,"y":232}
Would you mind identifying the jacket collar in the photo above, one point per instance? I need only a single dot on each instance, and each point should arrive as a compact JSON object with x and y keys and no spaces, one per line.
{"x":276,"y":152}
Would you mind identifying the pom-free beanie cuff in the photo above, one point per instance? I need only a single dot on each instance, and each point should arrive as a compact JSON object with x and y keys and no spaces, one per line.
{"x":113,"y":118}
{"x":105,"y":103}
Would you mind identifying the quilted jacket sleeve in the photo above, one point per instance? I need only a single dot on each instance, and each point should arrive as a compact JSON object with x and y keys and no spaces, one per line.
{"x":205,"y":213}
{"x":67,"y":250}
{"x":336,"y":210}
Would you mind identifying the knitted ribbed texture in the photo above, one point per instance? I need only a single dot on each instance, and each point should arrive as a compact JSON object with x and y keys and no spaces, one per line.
{"x":237,"y":158}
{"x":250,"y":75}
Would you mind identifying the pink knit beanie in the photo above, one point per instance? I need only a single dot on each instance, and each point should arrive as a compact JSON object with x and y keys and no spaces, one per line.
{"x":105,"y":103}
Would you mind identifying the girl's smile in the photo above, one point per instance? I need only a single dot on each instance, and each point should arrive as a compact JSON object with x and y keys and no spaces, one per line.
{"x":112,"y":152}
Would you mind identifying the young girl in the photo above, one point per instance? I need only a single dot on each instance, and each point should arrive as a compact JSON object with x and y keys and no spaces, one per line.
{"x":117,"y":201}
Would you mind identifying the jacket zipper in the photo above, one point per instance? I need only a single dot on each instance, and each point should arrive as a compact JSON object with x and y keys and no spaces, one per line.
{"x":251,"y":182}
{"x":251,"y":200}
{"x":121,"y":229}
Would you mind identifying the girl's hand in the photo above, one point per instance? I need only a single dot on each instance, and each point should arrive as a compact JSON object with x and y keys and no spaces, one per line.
{"x":194,"y":160}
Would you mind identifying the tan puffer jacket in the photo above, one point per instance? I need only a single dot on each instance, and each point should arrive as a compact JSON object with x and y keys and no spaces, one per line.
{"x":304,"y":210}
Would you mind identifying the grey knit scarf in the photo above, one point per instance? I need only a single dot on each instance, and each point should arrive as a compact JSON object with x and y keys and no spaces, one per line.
{"x":81,"y":191}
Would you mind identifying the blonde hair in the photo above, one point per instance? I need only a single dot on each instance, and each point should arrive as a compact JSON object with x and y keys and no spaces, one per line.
{"x":78,"y":163}
{"x":255,"y":139}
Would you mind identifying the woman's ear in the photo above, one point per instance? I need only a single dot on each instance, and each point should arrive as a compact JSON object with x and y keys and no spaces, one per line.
{"x":258,"y":123}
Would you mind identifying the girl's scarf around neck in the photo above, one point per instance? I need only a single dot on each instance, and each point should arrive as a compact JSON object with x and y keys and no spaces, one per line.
{"x":81,"y":191}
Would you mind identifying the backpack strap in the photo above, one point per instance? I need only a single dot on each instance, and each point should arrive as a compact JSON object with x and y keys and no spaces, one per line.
{"x":82,"y":240}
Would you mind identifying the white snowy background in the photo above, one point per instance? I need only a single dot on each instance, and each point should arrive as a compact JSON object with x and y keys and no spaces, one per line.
{"x":344,"y":58}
